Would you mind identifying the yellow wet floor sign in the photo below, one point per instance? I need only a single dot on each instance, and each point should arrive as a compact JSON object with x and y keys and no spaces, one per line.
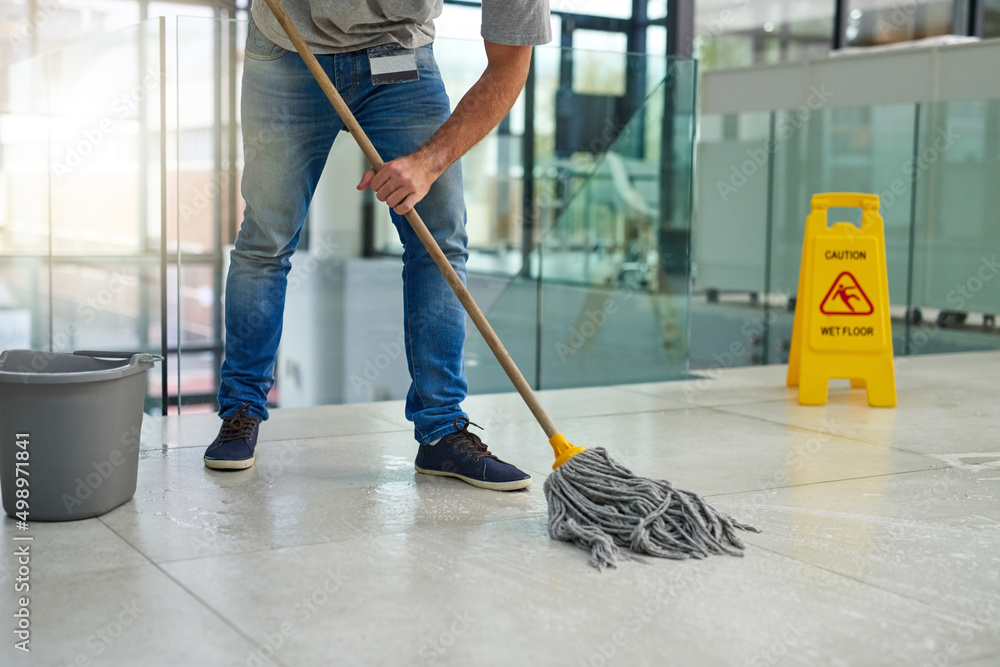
{"x":842,"y":327}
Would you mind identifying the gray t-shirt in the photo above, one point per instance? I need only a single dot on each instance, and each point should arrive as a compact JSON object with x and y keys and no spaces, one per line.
{"x":329,"y":26}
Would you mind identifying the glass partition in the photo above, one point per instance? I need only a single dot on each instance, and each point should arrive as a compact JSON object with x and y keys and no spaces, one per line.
{"x":25,"y":279}
{"x":933,"y":166}
{"x":956,"y":228}
{"x":619,"y":313}
{"x":80,"y":198}
{"x":204,"y":203}
{"x":730,"y":239}
{"x":838,"y":150}
{"x":604,"y":297}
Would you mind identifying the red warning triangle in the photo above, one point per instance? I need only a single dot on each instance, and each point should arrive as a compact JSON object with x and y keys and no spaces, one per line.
{"x":846,"y":298}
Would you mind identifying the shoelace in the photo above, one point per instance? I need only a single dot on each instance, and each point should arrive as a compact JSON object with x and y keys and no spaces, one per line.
{"x":465,"y":441}
{"x":238,"y":427}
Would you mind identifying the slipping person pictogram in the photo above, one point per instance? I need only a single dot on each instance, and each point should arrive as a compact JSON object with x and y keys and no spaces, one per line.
{"x":838,"y":301}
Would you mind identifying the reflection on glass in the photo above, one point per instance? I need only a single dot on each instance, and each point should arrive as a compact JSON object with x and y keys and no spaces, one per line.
{"x":737,"y":33}
{"x":607,"y":298}
{"x":880,"y":22}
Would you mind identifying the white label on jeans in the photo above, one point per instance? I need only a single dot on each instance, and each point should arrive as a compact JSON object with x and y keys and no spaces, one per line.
{"x":392,"y":64}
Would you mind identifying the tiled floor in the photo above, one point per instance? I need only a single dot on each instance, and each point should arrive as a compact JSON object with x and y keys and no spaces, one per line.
{"x":880,"y":540}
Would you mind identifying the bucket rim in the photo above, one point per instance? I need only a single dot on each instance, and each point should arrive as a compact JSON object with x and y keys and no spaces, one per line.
{"x":138,"y":362}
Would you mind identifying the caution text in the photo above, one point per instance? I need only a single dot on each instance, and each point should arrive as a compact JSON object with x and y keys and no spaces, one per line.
{"x":846,"y":254}
{"x":848,"y":331}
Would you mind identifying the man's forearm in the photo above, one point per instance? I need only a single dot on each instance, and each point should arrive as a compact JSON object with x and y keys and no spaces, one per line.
{"x":404,"y":182}
{"x":481,"y":108}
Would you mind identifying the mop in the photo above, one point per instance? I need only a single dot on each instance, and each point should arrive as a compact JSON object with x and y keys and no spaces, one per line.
{"x":593,"y":501}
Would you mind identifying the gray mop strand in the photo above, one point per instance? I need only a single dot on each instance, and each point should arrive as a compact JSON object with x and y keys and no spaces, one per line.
{"x":600,"y":505}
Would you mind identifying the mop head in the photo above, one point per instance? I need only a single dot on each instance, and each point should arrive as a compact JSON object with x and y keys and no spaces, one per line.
{"x":601,"y":506}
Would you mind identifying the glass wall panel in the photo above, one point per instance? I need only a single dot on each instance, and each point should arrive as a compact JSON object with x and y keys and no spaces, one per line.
{"x":866,"y":149}
{"x":24,"y":130}
{"x":25,"y":305}
{"x":933,"y":167}
{"x":100,"y":93}
{"x":839,"y":150}
{"x":729,"y":239}
{"x":34,"y":27}
{"x":204,"y":204}
{"x":606,"y":300}
{"x":80,"y":223}
{"x":621,"y":315}
{"x":956,"y":275}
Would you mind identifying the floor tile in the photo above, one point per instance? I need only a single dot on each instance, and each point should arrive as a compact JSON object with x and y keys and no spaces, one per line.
{"x":932,"y":536}
{"x":963,"y":369}
{"x":925,"y":420}
{"x":709,"y":451}
{"x":119,"y":617}
{"x":723,"y":386}
{"x":56,"y":547}
{"x":299,"y":492}
{"x":502,"y":594}
{"x":199,"y":429}
{"x":566,"y":403}
{"x":991,"y":660}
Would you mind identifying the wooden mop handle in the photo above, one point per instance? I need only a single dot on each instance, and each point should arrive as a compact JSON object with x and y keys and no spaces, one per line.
{"x":461,"y":291}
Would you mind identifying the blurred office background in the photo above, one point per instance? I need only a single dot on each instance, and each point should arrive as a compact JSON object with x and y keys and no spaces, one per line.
{"x":638,"y":216}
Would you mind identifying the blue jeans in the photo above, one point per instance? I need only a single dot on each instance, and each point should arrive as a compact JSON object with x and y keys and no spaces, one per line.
{"x":288,"y":130}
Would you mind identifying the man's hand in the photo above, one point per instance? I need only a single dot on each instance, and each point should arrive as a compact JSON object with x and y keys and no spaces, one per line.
{"x":401,"y":183}
{"x":405,"y":181}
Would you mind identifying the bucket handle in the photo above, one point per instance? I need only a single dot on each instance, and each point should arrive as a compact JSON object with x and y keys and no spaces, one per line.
{"x":144,"y":358}
{"x":104,"y":354}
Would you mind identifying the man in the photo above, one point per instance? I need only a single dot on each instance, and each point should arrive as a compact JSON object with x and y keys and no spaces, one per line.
{"x":379,"y":54}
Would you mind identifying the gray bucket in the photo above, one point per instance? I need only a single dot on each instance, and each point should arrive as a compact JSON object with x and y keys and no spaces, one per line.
{"x":78,"y":418}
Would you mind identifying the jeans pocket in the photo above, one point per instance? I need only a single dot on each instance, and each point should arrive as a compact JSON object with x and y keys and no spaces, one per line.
{"x":259,"y":47}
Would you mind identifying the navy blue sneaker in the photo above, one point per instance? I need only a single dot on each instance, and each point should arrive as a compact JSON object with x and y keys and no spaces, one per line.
{"x":464,"y":456}
{"x":233,"y":448}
